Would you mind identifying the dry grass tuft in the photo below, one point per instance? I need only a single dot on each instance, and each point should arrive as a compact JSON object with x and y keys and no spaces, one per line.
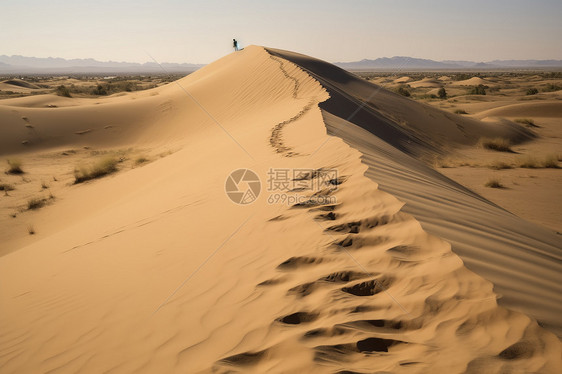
{"x":101,"y":168}
{"x":494,"y":183}
{"x":30,"y":229}
{"x":141,"y":160}
{"x":6,"y":187}
{"x":500,"y":165}
{"x":531,"y":162}
{"x":550,"y":161}
{"x":14,"y":166}
{"x":527,"y":121}
{"x":496,"y":144}
{"x":35,"y":203}
{"x":460,"y":111}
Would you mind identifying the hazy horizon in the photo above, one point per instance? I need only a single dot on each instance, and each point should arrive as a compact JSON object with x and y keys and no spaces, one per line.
{"x":192,"y":32}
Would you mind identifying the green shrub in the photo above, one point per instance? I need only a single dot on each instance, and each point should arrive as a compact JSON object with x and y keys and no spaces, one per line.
{"x":101,"y":168}
{"x":442,"y":93}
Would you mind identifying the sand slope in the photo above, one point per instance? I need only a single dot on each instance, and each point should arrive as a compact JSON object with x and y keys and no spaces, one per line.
{"x":520,"y":258}
{"x":164,"y":274}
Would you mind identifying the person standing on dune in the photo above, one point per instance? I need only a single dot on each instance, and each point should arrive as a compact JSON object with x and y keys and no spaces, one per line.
{"x":235,"y":44}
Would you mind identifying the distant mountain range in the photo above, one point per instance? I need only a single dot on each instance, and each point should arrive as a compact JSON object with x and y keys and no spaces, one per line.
{"x":34,"y":65}
{"x":411,"y":63}
{"x":50,"y":65}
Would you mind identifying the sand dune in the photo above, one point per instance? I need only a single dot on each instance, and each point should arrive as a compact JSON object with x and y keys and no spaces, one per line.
{"x":426,"y":82}
{"x":156,"y":270}
{"x":19,"y":83}
{"x":474,"y":81}
{"x":550,"y":108}
{"x":404,"y":79}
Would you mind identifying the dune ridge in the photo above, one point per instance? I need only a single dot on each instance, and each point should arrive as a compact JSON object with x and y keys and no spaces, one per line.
{"x":354,"y":285}
{"x":521,"y":259}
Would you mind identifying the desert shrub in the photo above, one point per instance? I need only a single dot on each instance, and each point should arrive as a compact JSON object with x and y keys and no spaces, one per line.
{"x":499,"y":165}
{"x":532,"y":91}
{"x":99,"y":90}
{"x":35,"y":203}
{"x":63,"y":91}
{"x":141,"y":160}
{"x":30,"y":229}
{"x":478,"y":90}
{"x":442,"y":93}
{"x":526,"y":121}
{"x":494,"y":183}
{"x":529,"y":162}
{"x":550,"y":161}
{"x":101,"y":168}
{"x":460,"y":111}
{"x":552,"y":74}
{"x":496,"y":144}
{"x":551,"y":88}
{"x":6,"y":187}
{"x":403,"y":91}
{"x":14,"y":166}
{"x":461,"y":77}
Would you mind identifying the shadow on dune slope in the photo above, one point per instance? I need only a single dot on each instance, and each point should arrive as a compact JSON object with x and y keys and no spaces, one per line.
{"x":522,"y":259}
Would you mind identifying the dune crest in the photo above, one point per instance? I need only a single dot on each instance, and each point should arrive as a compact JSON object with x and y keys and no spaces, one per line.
{"x":166,"y":274}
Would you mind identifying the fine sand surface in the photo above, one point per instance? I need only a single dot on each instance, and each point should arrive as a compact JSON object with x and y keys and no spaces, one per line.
{"x":153,"y":269}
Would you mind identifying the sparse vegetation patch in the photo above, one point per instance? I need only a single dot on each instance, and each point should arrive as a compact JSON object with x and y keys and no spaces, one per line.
{"x":494,"y":183}
{"x":496,"y":144}
{"x":6,"y":187}
{"x":36,"y":203}
{"x":500,"y":165}
{"x":101,"y":168}
{"x":14,"y":166}
{"x":526,"y":121}
{"x":63,"y":91}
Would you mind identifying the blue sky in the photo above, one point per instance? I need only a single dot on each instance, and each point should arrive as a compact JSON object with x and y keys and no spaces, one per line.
{"x":202,"y":31}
